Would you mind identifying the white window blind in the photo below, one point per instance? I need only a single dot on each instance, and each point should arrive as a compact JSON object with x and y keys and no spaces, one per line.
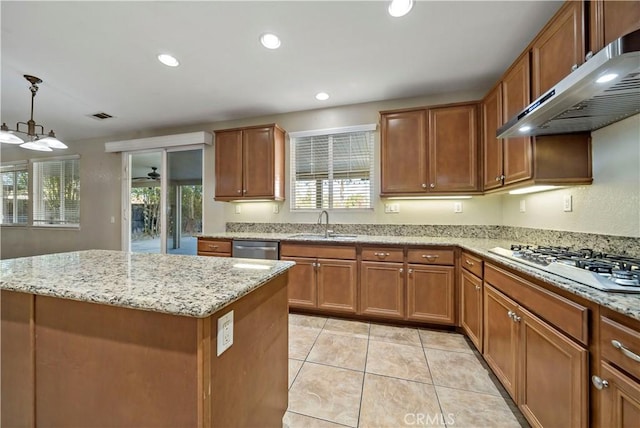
{"x":56,"y":192}
{"x":332,"y":171}
{"x":15,"y":193}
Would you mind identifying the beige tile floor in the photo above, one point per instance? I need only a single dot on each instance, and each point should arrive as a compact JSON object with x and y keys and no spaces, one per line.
{"x":360,"y":374}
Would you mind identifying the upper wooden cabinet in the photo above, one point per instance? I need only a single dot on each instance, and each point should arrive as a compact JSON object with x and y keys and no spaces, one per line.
{"x":250,"y":163}
{"x":491,"y":120}
{"x":431,"y":150}
{"x":403,"y":152}
{"x":609,"y":20}
{"x":559,"y":48}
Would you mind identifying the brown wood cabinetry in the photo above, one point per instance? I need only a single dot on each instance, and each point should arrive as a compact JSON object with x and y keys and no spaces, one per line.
{"x":214,"y":247}
{"x":492,"y":120}
{"x":430,"y":294}
{"x":471,"y":298}
{"x":382,"y":289}
{"x":431,"y":150}
{"x":616,"y":385}
{"x":324,"y":277}
{"x":609,"y":19}
{"x":543,"y":370}
{"x":453,"y":149}
{"x":250,"y":163}
{"x":403,"y":152}
{"x":559,"y":48}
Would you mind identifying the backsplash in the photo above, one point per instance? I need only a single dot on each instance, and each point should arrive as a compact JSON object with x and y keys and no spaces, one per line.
{"x":518,"y":235}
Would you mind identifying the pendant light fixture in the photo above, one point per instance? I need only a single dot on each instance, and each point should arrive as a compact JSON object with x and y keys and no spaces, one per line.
{"x":36,"y":140}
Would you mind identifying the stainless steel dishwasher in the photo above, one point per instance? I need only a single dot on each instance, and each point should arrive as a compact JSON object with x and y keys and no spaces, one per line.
{"x":256,"y":249}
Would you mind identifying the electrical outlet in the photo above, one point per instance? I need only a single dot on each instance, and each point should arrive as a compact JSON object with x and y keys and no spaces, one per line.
{"x":225,"y":332}
{"x":238,"y":209}
{"x":113,"y":219}
{"x":457,"y":207}
{"x":523,"y":207}
{"x":567,"y":203}
{"x":391,"y":208}
{"x":276,"y":208}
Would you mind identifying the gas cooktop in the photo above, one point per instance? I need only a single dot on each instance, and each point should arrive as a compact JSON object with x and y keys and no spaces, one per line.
{"x":606,"y":272}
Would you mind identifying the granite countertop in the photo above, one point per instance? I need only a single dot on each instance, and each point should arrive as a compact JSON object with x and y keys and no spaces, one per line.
{"x":173,"y":284}
{"x":625,"y":303}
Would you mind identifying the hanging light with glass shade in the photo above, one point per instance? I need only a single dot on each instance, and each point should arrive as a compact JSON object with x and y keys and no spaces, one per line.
{"x":35,"y":140}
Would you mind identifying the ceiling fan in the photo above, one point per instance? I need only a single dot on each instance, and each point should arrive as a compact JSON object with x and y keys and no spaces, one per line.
{"x":152,"y":176}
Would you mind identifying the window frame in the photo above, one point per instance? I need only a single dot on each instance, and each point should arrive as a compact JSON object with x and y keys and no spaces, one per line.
{"x":15,"y":167}
{"x":37,"y":199}
{"x":332,"y":132}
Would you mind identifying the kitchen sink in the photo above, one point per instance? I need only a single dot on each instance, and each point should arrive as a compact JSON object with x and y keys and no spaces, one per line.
{"x":332,"y":237}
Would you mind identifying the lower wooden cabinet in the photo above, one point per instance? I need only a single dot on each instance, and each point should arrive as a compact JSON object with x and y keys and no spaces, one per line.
{"x":214,"y":247}
{"x":382,"y":289}
{"x":430,"y":294}
{"x":619,"y":398}
{"x":329,"y":284}
{"x":471,"y":307}
{"x":545,"y":372}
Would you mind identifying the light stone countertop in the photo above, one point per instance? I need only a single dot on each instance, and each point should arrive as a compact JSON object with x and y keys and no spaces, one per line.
{"x":625,"y":303}
{"x":179,"y":285}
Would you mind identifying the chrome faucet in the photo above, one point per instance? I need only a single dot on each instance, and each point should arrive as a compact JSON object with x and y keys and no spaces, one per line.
{"x":326,"y":226}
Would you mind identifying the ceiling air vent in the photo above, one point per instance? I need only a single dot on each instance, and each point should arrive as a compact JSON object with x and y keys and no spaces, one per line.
{"x":101,"y":116}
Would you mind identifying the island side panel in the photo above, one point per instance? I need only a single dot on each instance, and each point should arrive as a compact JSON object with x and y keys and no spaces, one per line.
{"x":249,"y":380}
{"x":16,"y":360}
{"x":99,"y":365}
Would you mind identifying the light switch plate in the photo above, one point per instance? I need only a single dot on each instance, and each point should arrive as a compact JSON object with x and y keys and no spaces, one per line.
{"x":457,"y":207}
{"x":523,"y":207}
{"x":276,"y":208}
{"x":392,"y":208}
{"x":567,"y":203}
{"x":238,"y":209}
{"x":225,"y":332}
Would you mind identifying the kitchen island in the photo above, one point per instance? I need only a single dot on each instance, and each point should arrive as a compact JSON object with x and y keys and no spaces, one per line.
{"x":107,"y":338}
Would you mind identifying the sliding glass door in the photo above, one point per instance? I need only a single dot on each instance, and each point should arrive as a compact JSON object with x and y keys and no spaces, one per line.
{"x":163,"y":204}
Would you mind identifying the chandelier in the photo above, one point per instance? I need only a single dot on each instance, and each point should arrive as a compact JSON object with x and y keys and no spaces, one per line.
{"x":35,"y":140}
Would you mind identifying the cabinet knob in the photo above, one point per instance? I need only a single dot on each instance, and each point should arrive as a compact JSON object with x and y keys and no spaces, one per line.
{"x":502,"y":177}
{"x":469,"y":263}
{"x":626,"y":351}
{"x":432,"y":185}
{"x":424,"y":185}
{"x":239,"y":191}
{"x":410,"y":271}
{"x":599,"y":383}
{"x":498,"y":178}
{"x":588,"y":56}
{"x":401,"y":270}
{"x":244,"y":191}
{"x":477,"y":287}
{"x":574,"y":67}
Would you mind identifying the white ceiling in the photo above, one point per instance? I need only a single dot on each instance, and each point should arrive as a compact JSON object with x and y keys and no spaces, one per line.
{"x":101,"y":57}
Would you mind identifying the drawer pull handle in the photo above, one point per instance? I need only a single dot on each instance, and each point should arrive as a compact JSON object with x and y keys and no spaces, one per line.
{"x":513,"y":316}
{"x":599,"y":383}
{"x":468,"y":262}
{"x":381,"y":254}
{"x":627,"y":353}
{"x":430,"y":256}
{"x":213,"y":246}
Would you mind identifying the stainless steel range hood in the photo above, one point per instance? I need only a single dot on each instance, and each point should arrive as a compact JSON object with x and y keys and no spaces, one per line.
{"x":585,"y":100}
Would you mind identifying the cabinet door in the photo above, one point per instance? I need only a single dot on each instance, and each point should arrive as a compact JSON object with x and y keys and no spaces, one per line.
{"x":619,"y":400}
{"x":558,"y":48}
{"x":515,"y":97}
{"x":337,"y":280}
{"x":258,"y":162}
{"x":302,"y":283}
{"x":430,"y":294}
{"x":554,"y":375}
{"x":471,"y":307}
{"x":501,"y":338}
{"x":228,"y":148}
{"x":382,"y":289}
{"x":453,"y":149}
{"x":612,"y":19}
{"x":491,"y":121}
{"x":403,"y":152}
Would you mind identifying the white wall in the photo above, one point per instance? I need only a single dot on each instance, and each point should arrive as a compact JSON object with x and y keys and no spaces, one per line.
{"x":610,"y":206}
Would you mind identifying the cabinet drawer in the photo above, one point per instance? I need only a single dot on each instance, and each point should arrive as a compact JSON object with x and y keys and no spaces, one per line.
{"x":472,"y":264}
{"x":566,"y":315}
{"x":319,"y":251}
{"x":213,"y":246}
{"x":430,"y":256}
{"x":383,"y":254}
{"x":620,"y":345}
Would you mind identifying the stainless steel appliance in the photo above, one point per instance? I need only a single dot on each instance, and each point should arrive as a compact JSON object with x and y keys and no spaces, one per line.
{"x":603,"y":90}
{"x":256,"y":249}
{"x":606,"y":272}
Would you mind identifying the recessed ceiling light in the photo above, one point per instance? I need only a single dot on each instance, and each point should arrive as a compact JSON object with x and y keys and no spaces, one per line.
{"x":168,"y":60}
{"x":399,"y":8}
{"x":606,"y":78}
{"x":322,"y":96}
{"x":270,"y":41}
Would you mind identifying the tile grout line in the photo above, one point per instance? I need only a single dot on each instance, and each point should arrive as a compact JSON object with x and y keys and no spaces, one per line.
{"x":320,"y":419}
{"x":364,"y":375}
